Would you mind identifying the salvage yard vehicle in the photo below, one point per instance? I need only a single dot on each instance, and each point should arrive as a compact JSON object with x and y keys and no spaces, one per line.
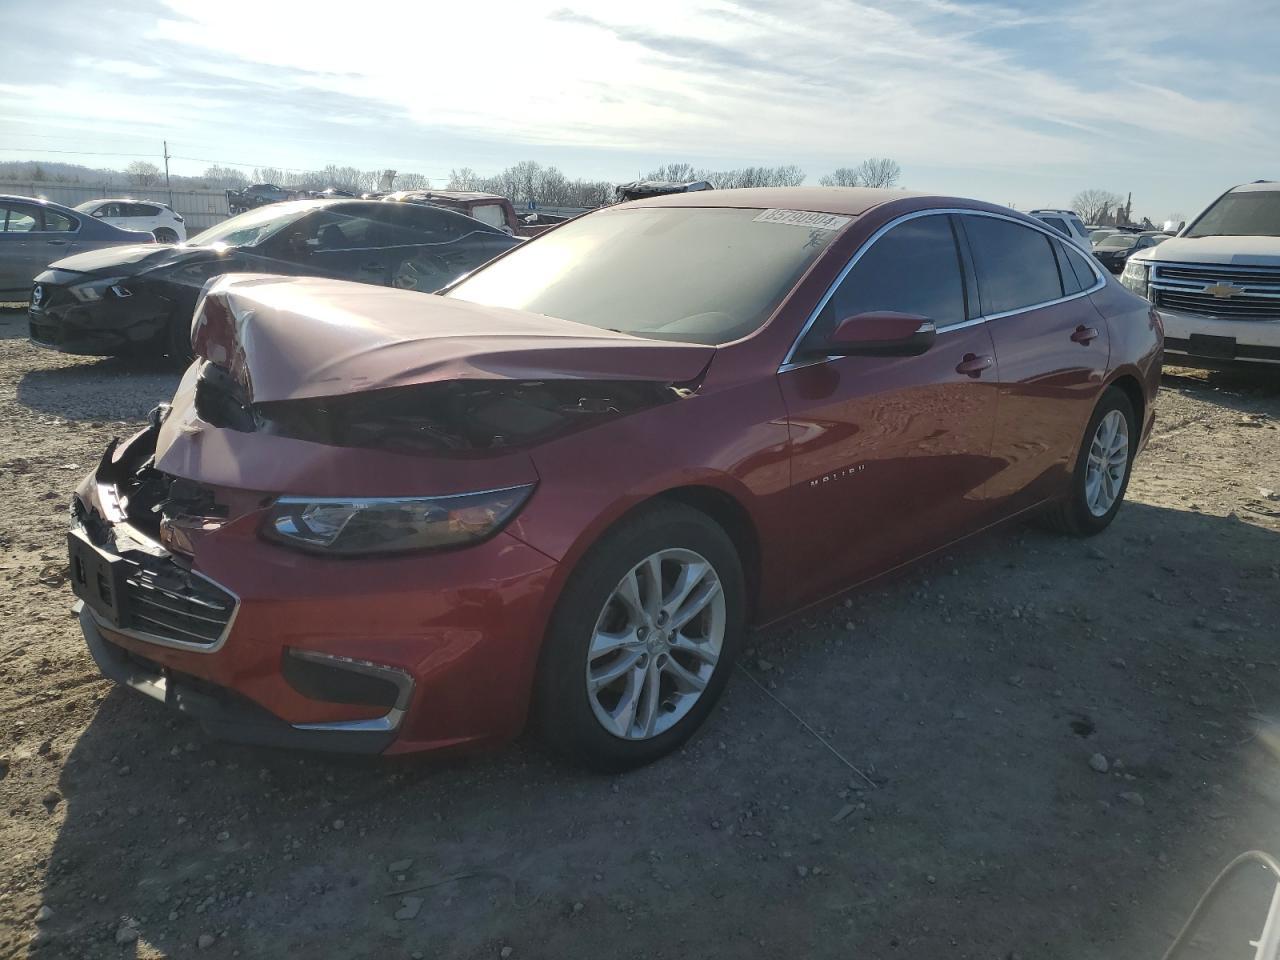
{"x":566,"y":485}
{"x":33,"y":232}
{"x":1067,"y":223}
{"x":1114,"y":251}
{"x":488,"y":208}
{"x":148,"y":216}
{"x":1216,"y":284}
{"x":256,"y":195}
{"x":139,"y":299}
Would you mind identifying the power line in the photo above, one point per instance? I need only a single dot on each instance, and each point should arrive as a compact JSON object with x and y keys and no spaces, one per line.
{"x":78,"y":153}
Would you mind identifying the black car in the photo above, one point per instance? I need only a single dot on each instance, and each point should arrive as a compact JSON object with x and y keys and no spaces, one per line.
{"x":1114,"y":251}
{"x":140,"y":299}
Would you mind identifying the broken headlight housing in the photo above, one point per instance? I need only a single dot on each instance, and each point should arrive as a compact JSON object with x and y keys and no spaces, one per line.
{"x":356,"y":526}
{"x":1135,"y":276}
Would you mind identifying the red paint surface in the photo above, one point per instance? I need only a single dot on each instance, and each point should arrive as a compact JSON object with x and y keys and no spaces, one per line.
{"x":844,"y":470}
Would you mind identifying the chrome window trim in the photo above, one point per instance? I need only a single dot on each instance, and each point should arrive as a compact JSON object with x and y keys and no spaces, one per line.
{"x":790,"y":362}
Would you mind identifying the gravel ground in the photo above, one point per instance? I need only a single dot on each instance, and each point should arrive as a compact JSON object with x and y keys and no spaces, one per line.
{"x":1065,"y":741}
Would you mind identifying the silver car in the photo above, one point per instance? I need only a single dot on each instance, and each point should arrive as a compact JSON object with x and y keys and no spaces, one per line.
{"x":34,"y":233}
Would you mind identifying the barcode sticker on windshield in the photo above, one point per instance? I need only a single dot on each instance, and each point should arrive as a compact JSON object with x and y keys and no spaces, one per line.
{"x":803,"y":218}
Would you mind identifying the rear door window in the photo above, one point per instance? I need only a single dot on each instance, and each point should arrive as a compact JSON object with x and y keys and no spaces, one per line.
{"x":1016,"y":265}
{"x":914,"y":268}
{"x":17,"y":219}
{"x":55,"y":222}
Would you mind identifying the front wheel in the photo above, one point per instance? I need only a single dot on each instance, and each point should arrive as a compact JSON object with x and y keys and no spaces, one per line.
{"x":1102,"y":470}
{"x":642,"y":640}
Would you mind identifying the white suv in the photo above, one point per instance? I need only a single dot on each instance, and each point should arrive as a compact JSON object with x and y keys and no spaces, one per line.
{"x":148,"y":216}
{"x":1216,"y":285}
{"x":1067,"y":223}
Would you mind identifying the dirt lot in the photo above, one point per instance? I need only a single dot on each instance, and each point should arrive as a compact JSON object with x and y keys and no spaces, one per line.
{"x":974,"y":693}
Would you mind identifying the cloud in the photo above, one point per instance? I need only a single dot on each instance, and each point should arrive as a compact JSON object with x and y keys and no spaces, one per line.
{"x":1048,"y":98}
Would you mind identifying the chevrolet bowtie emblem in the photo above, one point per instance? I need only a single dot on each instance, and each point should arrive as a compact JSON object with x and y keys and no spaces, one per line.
{"x":1223,"y":290}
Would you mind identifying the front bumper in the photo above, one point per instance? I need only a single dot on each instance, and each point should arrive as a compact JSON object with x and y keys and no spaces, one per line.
{"x":220,"y":712}
{"x":1197,"y":339}
{"x":382,"y":654}
{"x":105,"y":327}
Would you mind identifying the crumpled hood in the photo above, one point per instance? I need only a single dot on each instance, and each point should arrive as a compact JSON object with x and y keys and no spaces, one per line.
{"x":289,"y":338}
{"x":1244,"y":251}
{"x":131,"y":259}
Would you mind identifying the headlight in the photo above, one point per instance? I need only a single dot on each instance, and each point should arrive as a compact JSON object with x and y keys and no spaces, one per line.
{"x":97,"y":289}
{"x":391,"y":524}
{"x":1135,"y":276}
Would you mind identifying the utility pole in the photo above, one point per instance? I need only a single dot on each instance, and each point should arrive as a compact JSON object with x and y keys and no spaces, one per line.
{"x":168,"y":188}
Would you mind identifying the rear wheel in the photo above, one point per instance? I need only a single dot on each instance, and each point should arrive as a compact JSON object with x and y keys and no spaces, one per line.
{"x":642,"y":640}
{"x":165,"y":235}
{"x":1102,"y":470}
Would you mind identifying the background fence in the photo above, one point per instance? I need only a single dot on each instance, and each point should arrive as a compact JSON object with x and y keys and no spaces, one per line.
{"x":199,"y":208}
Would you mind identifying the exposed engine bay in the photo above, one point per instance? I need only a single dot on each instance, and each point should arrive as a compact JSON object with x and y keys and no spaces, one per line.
{"x":454,"y":416}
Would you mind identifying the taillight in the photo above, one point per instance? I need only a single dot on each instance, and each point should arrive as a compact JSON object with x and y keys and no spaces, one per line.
{"x":178,"y":217}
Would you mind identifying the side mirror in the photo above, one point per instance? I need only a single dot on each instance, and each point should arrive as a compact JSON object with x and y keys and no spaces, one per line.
{"x":99,"y":214}
{"x":881,"y":333}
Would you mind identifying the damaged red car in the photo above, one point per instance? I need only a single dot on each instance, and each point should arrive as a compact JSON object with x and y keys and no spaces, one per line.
{"x":376,"y":521}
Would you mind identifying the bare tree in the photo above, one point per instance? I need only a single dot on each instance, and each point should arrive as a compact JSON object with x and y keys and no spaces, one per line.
{"x":878,"y":172}
{"x":788,"y":175}
{"x":270,"y":175}
{"x":226,"y":177}
{"x":463,"y":178}
{"x":141,"y":173}
{"x":1094,"y":204}
{"x":674,"y":172}
{"x":842,"y":177}
{"x":412,"y":181}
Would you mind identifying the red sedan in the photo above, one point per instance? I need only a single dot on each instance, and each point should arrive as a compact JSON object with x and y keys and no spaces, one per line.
{"x":374,"y":520}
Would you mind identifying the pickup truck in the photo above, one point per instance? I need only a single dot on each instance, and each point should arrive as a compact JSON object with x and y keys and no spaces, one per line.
{"x":257,"y":195}
{"x":1216,"y":285}
{"x":488,"y":208}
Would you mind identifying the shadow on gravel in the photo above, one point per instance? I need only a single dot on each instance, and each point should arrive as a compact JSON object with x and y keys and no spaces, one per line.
{"x":91,"y":389}
{"x":1236,"y":389}
{"x":975,"y":692}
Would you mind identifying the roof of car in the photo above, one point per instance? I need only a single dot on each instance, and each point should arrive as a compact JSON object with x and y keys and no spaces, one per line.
{"x":1265,"y":185}
{"x":444,"y":194}
{"x":848,"y":201}
{"x":39,"y":200}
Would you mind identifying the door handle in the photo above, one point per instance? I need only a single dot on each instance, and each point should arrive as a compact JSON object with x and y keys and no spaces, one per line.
{"x":1085,"y":335}
{"x":56,"y":243}
{"x":973,"y":365}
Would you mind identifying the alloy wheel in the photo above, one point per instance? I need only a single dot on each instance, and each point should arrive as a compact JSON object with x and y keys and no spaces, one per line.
{"x":656,"y":644}
{"x":1108,"y":463}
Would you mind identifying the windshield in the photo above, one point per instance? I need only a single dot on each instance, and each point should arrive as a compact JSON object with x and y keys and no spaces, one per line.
{"x":254,"y":226}
{"x":1251,"y":213}
{"x":1100,"y":235}
{"x":1119,"y":241}
{"x":697,"y":274}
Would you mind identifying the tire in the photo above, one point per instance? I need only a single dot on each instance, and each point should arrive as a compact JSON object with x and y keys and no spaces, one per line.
{"x":1074,"y":515}
{"x":572,"y":717}
{"x":165,"y":235}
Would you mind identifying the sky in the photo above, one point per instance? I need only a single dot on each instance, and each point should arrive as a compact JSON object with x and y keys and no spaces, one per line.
{"x":1014,"y":102}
